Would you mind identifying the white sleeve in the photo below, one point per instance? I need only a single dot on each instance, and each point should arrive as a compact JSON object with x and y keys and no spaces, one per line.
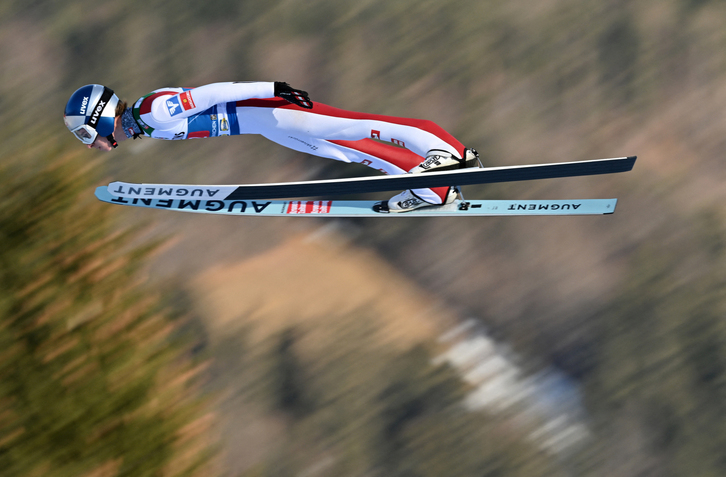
{"x":206,"y":96}
{"x":199,"y":99}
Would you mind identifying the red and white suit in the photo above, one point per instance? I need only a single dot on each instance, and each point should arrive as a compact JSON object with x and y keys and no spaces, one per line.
{"x":225,"y":109}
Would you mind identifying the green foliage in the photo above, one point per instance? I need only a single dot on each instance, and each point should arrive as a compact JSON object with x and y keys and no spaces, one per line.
{"x":88,"y":372}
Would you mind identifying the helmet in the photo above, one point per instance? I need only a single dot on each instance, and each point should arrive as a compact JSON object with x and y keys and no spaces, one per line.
{"x":91,"y":111}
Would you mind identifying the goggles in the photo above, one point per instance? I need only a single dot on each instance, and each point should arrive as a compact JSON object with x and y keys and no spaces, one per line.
{"x":85,"y":133}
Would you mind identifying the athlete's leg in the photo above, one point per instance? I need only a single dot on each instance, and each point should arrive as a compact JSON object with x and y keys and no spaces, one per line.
{"x":386,"y":158}
{"x":346,"y":136}
{"x":374,"y":153}
{"x":328,"y":123}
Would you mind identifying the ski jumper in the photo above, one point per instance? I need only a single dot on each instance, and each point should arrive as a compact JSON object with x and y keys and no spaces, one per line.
{"x":227,"y":109}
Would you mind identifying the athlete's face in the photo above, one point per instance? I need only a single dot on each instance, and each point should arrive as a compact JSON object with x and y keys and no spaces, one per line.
{"x":101,"y":143}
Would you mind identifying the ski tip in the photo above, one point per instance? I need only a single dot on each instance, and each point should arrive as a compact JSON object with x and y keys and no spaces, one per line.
{"x":631,"y":160}
{"x":115,"y":186}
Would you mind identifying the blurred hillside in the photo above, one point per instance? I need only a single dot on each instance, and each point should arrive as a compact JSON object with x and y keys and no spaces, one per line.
{"x":631,"y":306}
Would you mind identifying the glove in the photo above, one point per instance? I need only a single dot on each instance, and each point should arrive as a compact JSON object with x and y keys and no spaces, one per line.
{"x":294,"y":96}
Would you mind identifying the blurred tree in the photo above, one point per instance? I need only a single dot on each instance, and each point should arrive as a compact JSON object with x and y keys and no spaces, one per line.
{"x":618,"y":55}
{"x":662,"y":360}
{"x":694,"y":5}
{"x":90,"y":381}
{"x":414,"y":389}
{"x":288,"y":377}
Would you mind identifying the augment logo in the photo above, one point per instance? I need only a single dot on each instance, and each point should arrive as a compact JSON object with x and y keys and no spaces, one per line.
{"x":84,"y":105}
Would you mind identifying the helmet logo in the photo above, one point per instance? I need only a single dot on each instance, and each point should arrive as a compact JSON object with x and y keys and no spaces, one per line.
{"x":84,"y":104}
{"x":93,"y":122}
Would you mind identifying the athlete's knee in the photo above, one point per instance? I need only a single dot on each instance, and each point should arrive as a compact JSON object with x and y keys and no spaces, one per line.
{"x":429,"y":125}
{"x":433,"y":128}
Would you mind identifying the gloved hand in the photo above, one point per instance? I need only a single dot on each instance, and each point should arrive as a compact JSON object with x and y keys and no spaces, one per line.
{"x":294,"y":96}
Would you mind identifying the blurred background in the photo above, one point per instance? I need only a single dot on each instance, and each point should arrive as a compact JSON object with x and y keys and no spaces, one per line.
{"x":146,"y":343}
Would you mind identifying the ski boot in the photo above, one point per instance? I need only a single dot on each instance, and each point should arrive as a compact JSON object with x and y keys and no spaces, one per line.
{"x":439,"y":160}
{"x":436,"y":160}
{"x":407,"y":201}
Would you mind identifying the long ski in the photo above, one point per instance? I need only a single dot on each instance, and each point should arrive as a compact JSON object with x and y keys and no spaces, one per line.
{"x":328,"y":188}
{"x":364,"y":208}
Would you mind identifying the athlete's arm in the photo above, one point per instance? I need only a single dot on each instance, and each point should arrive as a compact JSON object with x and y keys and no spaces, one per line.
{"x":197,"y":100}
{"x":204,"y":97}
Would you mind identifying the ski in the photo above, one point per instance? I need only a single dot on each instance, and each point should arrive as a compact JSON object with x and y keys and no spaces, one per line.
{"x":364,"y":208}
{"x":333,"y":187}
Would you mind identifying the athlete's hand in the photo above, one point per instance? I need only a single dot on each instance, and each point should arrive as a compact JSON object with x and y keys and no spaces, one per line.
{"x":294,"y":96}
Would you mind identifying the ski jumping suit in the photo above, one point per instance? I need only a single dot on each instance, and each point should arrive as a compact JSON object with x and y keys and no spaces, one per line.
{"x":225,"y":109}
